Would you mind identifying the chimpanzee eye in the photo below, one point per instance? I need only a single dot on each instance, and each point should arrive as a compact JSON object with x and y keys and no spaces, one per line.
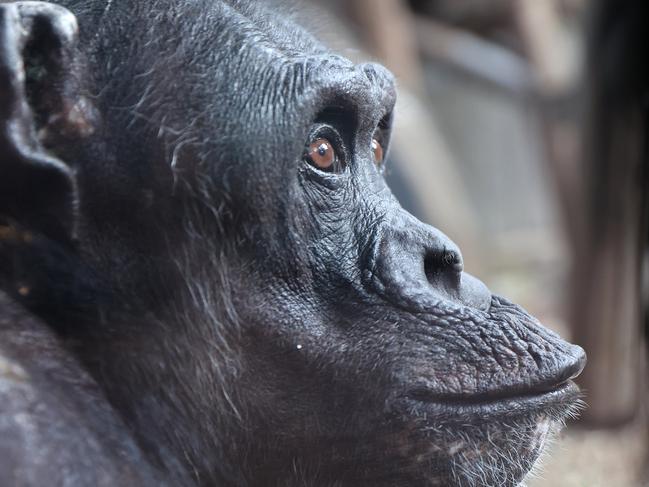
{"x":321,"y":154}
{"x":377,"y":150}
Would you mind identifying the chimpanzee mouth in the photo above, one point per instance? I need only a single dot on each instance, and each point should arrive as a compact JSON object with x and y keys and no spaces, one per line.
{"x":513,"y":402}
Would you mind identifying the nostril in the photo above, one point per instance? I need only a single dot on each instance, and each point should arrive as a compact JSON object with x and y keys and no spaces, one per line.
{"x":430,"y":266}
{"x":453,"y":261}
{"x":446,"y":262}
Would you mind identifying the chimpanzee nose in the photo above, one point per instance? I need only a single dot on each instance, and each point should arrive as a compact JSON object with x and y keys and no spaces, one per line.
{"x":418,"y":263}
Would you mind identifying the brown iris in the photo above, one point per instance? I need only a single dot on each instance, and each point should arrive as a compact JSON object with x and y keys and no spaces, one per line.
{"x":322,"y":154}
{"x":377,"y":150}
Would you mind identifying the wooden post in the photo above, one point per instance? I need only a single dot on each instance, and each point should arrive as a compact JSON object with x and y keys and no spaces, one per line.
{"x":601,"y":181}
{"x":607,"y":311}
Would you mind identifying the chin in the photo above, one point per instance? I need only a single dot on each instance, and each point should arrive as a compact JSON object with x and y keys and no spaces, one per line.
{"x":495,"y":444}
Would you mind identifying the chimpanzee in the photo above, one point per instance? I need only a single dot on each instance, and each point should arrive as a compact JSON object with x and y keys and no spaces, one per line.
{"x":206,"y":281}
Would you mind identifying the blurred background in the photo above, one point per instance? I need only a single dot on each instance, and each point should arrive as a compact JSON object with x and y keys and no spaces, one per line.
{"x":522,"y":132}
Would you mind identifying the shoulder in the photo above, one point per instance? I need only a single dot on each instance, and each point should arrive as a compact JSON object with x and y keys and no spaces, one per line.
{"x":56,"y":428}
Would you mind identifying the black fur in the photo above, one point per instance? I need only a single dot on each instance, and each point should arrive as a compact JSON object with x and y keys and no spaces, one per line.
{"x":213,"y":310}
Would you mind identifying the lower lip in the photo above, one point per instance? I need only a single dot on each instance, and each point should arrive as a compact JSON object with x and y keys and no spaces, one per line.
{"x":524,"y":403}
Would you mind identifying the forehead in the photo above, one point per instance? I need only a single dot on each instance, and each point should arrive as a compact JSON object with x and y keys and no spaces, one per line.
{"x":221,"y":75}
{"x":208,"y":41}
{"x":265,"y":56}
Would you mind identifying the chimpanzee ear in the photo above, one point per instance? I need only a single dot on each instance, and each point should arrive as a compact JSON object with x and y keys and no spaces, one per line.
{"x":40,"y":106}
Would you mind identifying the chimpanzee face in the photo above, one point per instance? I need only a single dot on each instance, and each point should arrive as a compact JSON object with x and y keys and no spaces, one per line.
{"x":307,"y":328}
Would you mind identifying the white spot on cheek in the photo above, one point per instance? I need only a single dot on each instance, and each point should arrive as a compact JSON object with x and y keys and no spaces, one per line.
{"x":109,"y":3}
{"x":298,"y":346}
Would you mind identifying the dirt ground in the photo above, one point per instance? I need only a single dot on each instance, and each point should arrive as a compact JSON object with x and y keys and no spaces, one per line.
{"x":604,"y":458}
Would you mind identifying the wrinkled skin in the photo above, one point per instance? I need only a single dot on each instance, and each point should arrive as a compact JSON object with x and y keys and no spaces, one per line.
{"x":236,"y":315}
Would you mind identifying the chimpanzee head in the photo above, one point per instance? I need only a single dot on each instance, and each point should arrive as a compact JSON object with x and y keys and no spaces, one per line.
{"x":246,"y":289}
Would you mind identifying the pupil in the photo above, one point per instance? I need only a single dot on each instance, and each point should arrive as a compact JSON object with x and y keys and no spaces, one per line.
{"x":322,"y":150}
